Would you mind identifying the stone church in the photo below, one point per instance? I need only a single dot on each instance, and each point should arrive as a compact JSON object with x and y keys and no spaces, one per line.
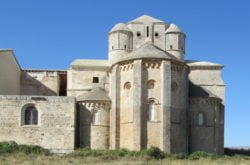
{"x":146,"y":94}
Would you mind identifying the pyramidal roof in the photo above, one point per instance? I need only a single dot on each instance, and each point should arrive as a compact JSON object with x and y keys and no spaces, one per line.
{"x":96,"y":94}
{"x":173,"y":28}
{"x":146,"y":18}
{"x":147,"y":50}
{"x":120,"y":27}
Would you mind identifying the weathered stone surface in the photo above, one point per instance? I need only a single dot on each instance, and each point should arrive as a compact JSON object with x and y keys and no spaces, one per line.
{"x":56,"y":121}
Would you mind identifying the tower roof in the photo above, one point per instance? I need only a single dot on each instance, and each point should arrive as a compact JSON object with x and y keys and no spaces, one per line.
{"x":147,"y":50}
{"x":120,"y":27}
{"x":96,"y":94}
{"x":146,"y":18}
{"x":173,"y":29}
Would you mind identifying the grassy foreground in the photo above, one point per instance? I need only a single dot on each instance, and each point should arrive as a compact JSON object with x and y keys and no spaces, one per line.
{"x":11,"y":153}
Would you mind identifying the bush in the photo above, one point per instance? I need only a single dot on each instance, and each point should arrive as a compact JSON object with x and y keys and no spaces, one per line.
{"x":13,"y":147}
{"x":155,"y":152}
{"x":197,"y":155}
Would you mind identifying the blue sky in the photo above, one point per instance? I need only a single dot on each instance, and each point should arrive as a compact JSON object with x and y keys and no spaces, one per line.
{"x":50,"y":34}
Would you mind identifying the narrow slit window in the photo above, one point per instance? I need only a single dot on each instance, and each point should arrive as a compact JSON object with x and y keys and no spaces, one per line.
{"x":147,"y":31}
{"x":95,"y":80}
{"x":171,"y":46}
{"x":125,"y":46}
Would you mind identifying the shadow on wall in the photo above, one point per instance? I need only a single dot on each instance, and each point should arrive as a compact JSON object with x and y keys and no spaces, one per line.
{"x":83,"y":126}
{"x":31,"y":86}
{"x":197,"y":91}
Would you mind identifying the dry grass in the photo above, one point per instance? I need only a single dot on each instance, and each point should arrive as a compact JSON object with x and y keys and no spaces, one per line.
{"x":23,"y":159}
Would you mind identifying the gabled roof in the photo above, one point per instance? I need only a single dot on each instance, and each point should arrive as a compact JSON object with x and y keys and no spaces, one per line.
{"x":96,"y":94}
{"x":146,"y":18}
{"x":147,"y":50}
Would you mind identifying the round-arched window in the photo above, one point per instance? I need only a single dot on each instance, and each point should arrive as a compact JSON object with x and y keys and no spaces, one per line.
{"x":200,"y":119}
{"x":30,"y":116}
{"x":152,"y":113}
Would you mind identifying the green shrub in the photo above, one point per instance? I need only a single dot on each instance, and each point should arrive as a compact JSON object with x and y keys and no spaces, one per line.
{"x":8,"y":147}
{"x":155,"y":152}
{"x":197,"y":155}
{"x":13,"y":147}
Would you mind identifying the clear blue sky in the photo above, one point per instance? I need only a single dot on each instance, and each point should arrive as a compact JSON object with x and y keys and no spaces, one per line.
{"x":52,"y":33}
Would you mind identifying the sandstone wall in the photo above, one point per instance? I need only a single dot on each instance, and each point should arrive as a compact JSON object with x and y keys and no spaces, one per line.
{"x":126,"y":122}
{"x":179,"y":105}
{"x":40,"y":82}
{"x":93,"y":124}
{"x":151,"y":88}
{"x":56,"y":121}
{"x":207,"y":136}
{"x":80,"y":81}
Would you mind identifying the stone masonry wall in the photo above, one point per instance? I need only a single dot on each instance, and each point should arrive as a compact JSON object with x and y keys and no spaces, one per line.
{"x":56,"y":121}
{"x":43,"y":83}
{"x":179,"y":104}
{"x":206,"y":136}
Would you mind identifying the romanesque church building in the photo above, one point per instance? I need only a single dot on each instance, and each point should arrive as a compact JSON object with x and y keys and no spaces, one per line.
{"x":145,"y":94}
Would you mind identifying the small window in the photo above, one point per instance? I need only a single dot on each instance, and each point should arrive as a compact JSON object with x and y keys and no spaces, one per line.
{"x":96,"y":117}
{"x":147,"y":31}
{"x":171,"y":46}
{"x":156,"y":34}
{"x":200,"y":119}
{"x":30,"y":116}
{"x":127,"y":86}
{"x":152,"y":116}
{"x":112,"y":47}
{"x":95,"y":79}
{"x":125,"y":46}
{"x":138,"y":34}
{"x":151,"y":84}
{"x":174,"y":86}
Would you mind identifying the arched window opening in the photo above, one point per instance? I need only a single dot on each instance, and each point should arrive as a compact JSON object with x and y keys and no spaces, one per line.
{"x":200,"y":119}
{"x":96,"y":117}
{"x":30,"y":116}
{"x":152,"y":115}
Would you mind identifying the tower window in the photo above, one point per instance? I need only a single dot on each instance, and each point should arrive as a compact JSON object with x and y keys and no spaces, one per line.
{"x":171,"y":46}
{"x":95,"y":79}
{"x":147,"y":31}
{"x":30,"y":116}
{"x":138,"y":34}
{"x":125,"y":46}
{"x":112,"y":47}
{"x":156,"y":34}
